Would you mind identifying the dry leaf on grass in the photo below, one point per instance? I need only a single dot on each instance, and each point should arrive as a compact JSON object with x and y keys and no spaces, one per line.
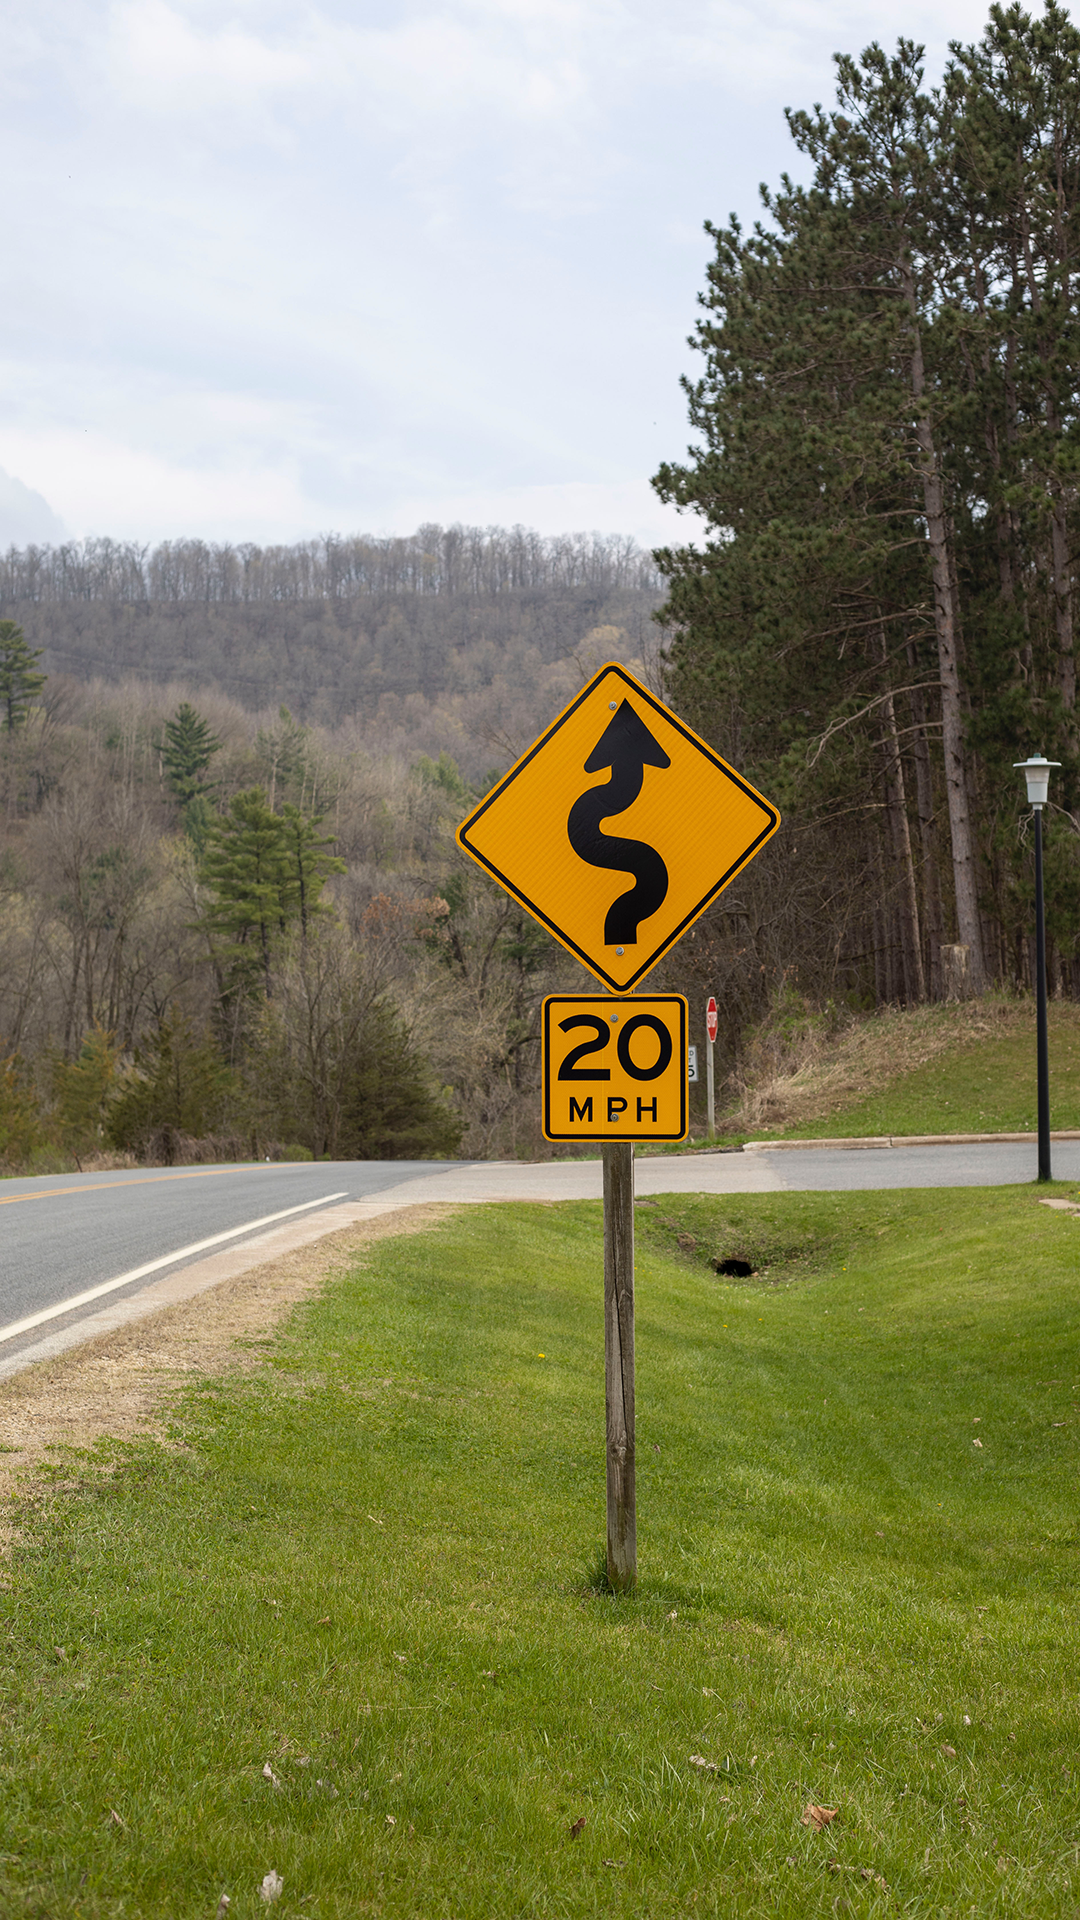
{"x":271,"y":1888}
{"x":707,"y":1766}
{"x":269,"y":1774}
{"x":949,"y":1752}
{"x":577,"y":1826}
{"x":114,"y":1818}
{"x":818,"y":1817}
{"x":223,"y":1906}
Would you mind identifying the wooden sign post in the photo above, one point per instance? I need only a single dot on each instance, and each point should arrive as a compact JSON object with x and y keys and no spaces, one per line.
{"x":615,"y":1071}
{"x":619,"y":1364}
{"x":687,"y":823}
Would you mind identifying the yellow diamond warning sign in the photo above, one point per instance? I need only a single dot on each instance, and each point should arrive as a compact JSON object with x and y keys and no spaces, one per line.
{"x":618,"y":828}
{"x":615,"y":1069}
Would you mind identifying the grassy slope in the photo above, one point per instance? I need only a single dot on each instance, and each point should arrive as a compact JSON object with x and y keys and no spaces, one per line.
{"x":369,"y":1565}
{"x":935,"y":1070}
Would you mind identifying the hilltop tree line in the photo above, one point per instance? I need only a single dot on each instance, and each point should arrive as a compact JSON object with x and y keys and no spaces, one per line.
{"x":480,"y":561}
{"x":442,"y":641}
{"x":882,"y":618}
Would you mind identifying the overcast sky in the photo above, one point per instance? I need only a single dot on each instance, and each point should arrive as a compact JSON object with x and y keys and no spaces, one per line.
{"x":275,"y":269}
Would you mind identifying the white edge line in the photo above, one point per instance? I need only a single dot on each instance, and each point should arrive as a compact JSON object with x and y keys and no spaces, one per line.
{"x":152,"y":1266}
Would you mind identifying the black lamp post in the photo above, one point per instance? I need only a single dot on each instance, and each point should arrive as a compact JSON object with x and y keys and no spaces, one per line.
{"x":1036,"y":772}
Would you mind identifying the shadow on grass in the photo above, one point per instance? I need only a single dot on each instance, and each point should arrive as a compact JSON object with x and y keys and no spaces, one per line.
{"x":597,"y":1580}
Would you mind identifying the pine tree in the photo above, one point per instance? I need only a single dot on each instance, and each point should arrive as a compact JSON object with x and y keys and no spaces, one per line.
{"x":246,"y":867}
{"x":879,"y":159}
{"x":20,"y":682}
{"x":187,"y":749}
{"x":21,"y":1132}
{"x":308,"y":863}
{"x":332,"y":1065}
{"x":786,"y":631}
{"x":1015,"y":103}
{"x":82,"y":1089}
{"x":883,"y":613}
{"x":266,"y":872}
{"x":179,"y":1084}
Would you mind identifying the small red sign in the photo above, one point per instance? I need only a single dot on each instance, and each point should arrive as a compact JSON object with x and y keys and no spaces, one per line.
{"x":712,"y":1018}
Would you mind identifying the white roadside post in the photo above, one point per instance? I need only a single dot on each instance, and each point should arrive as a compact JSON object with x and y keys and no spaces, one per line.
{"x":712,"y":1021}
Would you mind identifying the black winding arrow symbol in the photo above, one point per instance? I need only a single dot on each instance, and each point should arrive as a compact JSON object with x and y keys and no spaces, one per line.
{"x":627,"y":747}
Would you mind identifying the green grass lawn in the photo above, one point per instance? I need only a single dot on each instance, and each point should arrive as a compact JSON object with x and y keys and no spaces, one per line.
{"x":346,"y":1626}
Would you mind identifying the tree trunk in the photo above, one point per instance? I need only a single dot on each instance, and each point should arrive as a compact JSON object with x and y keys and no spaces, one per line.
{"x":881,"y":974}
{"x":914,"y":988}
{"x":955,"y":970}
{"x":933,"y":919}
{"x":963,"y":845}
{"x":1060,"y":570}
{"x":1062,"y":589}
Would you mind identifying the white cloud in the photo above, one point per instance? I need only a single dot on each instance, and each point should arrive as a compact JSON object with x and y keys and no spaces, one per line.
{"x":103,"y":486}
{"x":281,"y":266}
{"x":163,"y":59}
{"x":439,"y":63}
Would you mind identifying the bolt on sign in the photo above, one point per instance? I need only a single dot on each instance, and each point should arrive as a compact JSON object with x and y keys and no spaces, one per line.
{"x":615,"y":1069}
{"x":685,"y":824}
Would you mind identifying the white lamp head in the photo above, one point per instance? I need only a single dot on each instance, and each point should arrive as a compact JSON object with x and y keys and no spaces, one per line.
{"x":1036,"y":772}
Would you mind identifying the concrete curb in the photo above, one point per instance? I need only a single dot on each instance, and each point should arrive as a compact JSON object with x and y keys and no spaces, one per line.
{"x":908,"y":1140}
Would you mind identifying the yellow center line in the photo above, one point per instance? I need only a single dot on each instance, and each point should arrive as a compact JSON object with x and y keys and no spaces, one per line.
{"x":61,"y":1193}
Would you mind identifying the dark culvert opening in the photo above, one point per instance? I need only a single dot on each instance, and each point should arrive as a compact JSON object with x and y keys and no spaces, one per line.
{"x":734,"y":1269}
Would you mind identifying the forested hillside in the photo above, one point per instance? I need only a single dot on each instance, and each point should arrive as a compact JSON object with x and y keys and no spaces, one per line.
{"x":224,"y":934}
{"x":234,"y":919}
{"x":444,"y":641}
{"x":883,"y":619}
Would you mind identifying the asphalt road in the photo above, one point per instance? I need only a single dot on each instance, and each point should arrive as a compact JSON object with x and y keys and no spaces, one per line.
{"x":62,"y":1236}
